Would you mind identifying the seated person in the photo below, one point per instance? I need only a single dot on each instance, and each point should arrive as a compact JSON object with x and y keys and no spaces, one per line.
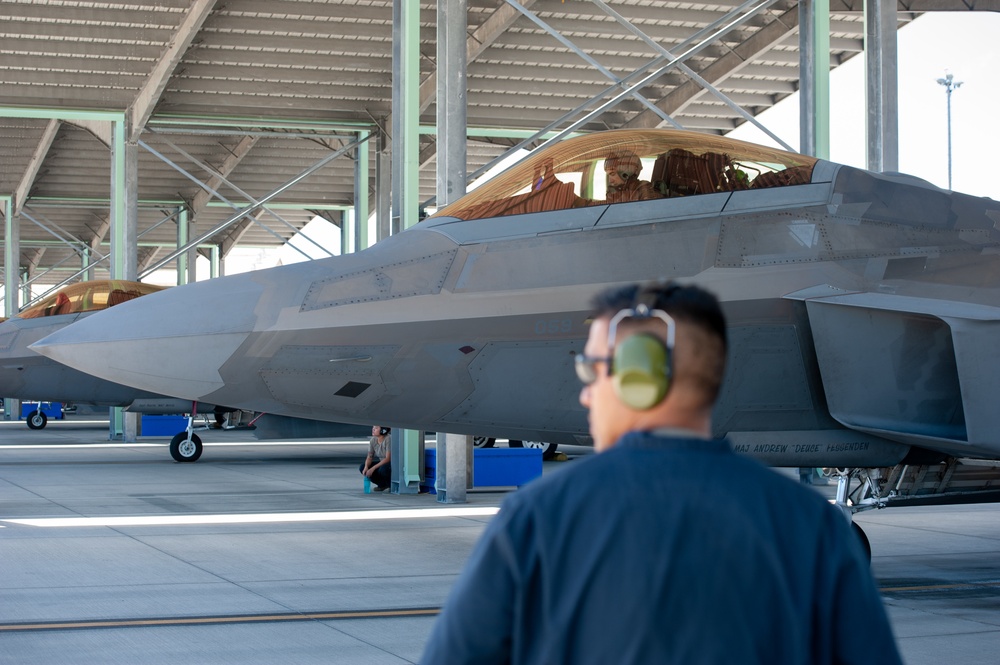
{"x":377,"y":466}
{"x":623,"y":168}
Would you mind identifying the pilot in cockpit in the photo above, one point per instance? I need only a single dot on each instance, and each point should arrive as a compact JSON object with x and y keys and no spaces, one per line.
{"x":622,"y":169}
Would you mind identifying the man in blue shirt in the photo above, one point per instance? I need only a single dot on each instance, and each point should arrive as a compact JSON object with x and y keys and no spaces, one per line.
{"x":666,"y":547}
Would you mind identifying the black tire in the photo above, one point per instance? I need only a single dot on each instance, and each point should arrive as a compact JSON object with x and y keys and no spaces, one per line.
{"x":483,"y":441}
{"x":548,"y":449}
{"x":863,"y":539}
{"x":37,"y":420}
{"x":183,"y":449}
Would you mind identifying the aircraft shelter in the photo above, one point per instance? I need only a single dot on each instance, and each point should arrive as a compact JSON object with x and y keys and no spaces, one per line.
{"x":137,"y":137}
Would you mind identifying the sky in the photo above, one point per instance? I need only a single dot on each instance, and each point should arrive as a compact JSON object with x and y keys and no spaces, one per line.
{"x":962,"y":43}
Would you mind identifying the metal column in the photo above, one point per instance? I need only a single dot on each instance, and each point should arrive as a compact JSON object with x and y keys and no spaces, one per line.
{"x":881,"y":85}
{"x":124,"y":240}
{"x":407,"y":446}
{"x":11,"y":281}
{"x":383,"y":186}
{"x":215,"y":266}
{"x":362,"y":209}
{"x":405,"y":115}
{"x":347,"y":236}
{"x":87,"y":265}
{"x":124,"y":204}
{"x":187,"y":262}
{"x":814,"y":77}
{"x":11,"y":257}
{"x":453,"y":451}
{"x":451,"y":100}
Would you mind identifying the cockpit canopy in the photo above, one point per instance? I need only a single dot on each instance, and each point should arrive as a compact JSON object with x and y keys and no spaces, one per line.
{"x":576,"y":172}
{"x":88,"y":297}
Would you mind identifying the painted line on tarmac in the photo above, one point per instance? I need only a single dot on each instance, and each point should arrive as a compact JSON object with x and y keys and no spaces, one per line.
{"x":68,"y":446}
{"x":256,"y":518}
{"x":304,"y":616}
{"x":56,"y":421}
{"x":939,"y":587}
{"x":248,"y":444}
{"x":208,"y":620}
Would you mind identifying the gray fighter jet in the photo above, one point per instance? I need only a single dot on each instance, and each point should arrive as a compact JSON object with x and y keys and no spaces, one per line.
{"x":26,"y":375}
{"x":863,"y":309}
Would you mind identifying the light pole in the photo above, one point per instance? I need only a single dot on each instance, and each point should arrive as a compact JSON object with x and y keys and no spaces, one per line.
{"x":949,"y":84}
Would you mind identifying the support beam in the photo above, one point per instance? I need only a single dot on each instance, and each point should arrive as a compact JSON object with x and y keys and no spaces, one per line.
{"x":814,"y":77}
{"x":11,"y":281}
{"x":124,"y":205}
{"x":690,"y":73}
{"x":383,"y":186}
{"x":32,"y":260}
{"x":146,"y":255}
{"x":216,"y":265}
{"x":841,"y":6}
{"x":481,"y":38}
{"x":405,"y":114}
{"x":99,"y":129}
{"x":11,"y":258}
{"x":234,"y":234}
{"x":407,"y":445}
{"x":86,"y":258}
{"x":882,"y":85}
{"x":362,"y":208}
{"x":451,"y":109}
{"x":253,"y":207}
{"x":185,"y":262}
{"x":348,"y":236}
{"x":452,"y":450}
{"x":452,"y":474}
{"x":229,"y":164}
{"x":124,"y":243}
{"x":204,"y":197}
{"x":34,"y":166}
{"x":223,"y":200}
{"x":145,"y":100}
{"x":738,"y":57}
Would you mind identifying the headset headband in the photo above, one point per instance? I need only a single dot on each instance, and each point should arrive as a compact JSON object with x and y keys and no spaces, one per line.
{"x":641,"y":311}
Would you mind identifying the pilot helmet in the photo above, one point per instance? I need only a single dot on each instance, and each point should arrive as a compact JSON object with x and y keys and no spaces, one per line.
{"x":625,"y":162}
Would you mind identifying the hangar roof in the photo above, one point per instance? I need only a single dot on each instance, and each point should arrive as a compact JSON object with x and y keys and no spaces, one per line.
{"x":245,"y":95}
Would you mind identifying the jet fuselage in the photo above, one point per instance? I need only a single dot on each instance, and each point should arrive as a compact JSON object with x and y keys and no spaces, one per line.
{"x":861,"y":310}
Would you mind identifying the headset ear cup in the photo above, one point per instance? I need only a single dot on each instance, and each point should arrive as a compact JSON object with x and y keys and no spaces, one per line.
{"x":641,"y":371}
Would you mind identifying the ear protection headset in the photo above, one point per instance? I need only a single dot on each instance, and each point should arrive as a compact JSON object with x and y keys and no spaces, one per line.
{"x":642,"y":365}
{"x":384,"y":431}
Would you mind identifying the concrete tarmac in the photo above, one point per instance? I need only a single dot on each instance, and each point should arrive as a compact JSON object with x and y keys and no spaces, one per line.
{"x":264,"y":553}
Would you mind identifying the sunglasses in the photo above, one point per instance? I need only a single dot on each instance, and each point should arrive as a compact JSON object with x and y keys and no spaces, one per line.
{"x":585,"y":367}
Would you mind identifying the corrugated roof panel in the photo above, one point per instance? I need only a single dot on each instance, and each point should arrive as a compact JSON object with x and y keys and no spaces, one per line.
{"x":292,"y":61}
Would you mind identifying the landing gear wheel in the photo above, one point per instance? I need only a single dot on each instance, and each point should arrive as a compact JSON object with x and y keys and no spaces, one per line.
{"x":863,"y":539}
{"x":183,"y":449}
{"x":37,"y":420}
{"x":483,"y":441}
{"x":548,"y":449}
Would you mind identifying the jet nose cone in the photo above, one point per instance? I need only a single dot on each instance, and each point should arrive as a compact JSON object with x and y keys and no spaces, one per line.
{"x":172,"y":342}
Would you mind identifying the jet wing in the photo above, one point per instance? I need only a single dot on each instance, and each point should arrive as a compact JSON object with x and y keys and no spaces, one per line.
{"x":908,"y":368}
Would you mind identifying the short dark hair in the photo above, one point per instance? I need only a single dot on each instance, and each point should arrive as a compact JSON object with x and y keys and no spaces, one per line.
{"x":692,"y":304}
{"x":688,"y":305}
